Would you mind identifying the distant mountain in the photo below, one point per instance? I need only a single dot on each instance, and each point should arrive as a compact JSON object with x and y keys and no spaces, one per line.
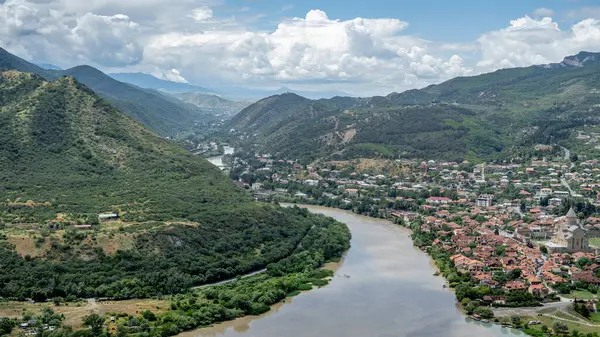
{"x":156,"y":112}
{"x":582,"y":59}
{"x":9,"y":61}
{"x":49,"y":66}
{"x":243,"y":93}
{"x":485,"y":116}
{"x":148,"y":81}
{"x":165,"y":116}
{"x":214,"y":104}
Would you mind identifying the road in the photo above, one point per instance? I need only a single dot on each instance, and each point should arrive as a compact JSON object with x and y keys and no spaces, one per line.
{"x":231,"y":279}
{"x":567,"y":153}
{"x":547,"y":310}
{"x":565,"y":183}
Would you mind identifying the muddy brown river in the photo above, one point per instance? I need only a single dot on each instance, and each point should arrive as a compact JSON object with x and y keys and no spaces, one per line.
{"x":384,"y":287}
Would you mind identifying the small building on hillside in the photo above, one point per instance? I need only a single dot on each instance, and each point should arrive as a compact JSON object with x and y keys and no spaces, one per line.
{"x":107,"y":217}
{"x":485,"y":200}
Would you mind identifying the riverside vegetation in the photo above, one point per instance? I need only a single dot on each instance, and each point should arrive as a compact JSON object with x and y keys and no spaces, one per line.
{"x":326,"y":240}
{"x":67,"y":156}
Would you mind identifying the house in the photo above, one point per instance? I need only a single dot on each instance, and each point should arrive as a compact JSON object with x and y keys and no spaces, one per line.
{"x":301,"y":195}
{"x":538,"y":290}
{"x":485,"y":200}
{"x":107,"y":217}
{"x":586,"y":276}
{"x":438,"y":200}
{"x":351,"y":191}
{"x":515,"y":286}
{"x":494,"y":299}
{"x":83,"y":227}
{"x":475,"y":266}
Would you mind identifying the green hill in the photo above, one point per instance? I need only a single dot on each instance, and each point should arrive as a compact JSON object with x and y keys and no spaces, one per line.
{"x":164,"y":116}
{"x":67,"y":155}
{"x":479,"y":117}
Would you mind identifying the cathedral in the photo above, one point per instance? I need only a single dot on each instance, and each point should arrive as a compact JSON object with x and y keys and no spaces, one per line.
{"x":570,"y":237}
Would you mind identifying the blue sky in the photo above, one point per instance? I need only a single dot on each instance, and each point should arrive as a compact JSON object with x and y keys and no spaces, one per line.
{"x":359,"y":47}
{"x":460,"y":21}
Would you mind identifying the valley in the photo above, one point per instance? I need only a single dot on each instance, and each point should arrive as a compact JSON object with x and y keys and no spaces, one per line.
{"x":111,"y":223}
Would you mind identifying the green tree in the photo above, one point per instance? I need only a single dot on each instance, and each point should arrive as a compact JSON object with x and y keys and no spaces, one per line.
{"x":95,"y":322}
{"x":6,"y":325}
{"x":514,"y":274}
{"x":559,"y":327}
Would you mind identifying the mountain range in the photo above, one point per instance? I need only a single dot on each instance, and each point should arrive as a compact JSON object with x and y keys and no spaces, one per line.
{"x":148,"y":81}
{"x":484,"y":116}
{"x":231,"y":92}
{"x":217,"y":105}
{"x":164,"y":116}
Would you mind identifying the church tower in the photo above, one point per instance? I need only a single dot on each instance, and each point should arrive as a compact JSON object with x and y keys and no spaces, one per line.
{"x":572,"y":219}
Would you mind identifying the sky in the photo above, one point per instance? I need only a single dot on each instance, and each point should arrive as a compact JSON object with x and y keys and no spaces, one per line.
{"x":363,"y":48}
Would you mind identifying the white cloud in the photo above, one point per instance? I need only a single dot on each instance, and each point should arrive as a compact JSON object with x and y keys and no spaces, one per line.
{"x":529,"y":41}
{"x":172,"y":75}
{"x":49,"y":34}
{"x":182,"y":40}
{"x":201,"y":14}
{"x":543,"y":12}
{"x":314,"y":48}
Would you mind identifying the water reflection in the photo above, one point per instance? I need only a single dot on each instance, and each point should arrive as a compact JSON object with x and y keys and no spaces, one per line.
{"x":385,"y":287}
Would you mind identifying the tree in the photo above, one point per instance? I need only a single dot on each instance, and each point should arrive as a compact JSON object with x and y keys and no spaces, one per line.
{"x":543,"y":249}
{"x":95,"y":322}
{"x":574,"y":157}
{"x":581,"y":309}
{"x":584,"y":261}
{"x":149,"y":315}
{"x":514,"y":274}
{"x":500,"y":250}
{"x":484,"y":312}
{"x":6,"y":326}
{"x":559,"y":327}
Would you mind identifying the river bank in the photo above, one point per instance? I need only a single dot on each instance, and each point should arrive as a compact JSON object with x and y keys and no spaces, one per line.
{"x":384,"y":287}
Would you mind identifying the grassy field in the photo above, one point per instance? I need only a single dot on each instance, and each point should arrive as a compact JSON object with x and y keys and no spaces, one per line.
{"x":595,"y":317}
{"x":595,"y":242}
{"x":75,"y":312}
{"x":581,"y":294}
{"x":549,"y":321}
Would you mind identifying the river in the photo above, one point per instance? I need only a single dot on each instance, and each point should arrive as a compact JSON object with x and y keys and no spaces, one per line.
{"x":384,"y":287}
{"x":218,"y":160}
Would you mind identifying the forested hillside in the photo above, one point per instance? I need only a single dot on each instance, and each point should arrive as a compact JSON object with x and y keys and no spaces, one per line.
{"x":67,"y":155}
{"x":480,"y":117}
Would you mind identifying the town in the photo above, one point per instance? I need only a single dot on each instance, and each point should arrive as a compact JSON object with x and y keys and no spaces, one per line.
{"x":521,"y":233}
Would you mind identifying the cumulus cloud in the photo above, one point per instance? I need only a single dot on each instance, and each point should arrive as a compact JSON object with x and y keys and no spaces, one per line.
{"x":529,"y":41}
{"x":313,"y":48}
{"x":181,"y":40}
{"x":46,"y":33}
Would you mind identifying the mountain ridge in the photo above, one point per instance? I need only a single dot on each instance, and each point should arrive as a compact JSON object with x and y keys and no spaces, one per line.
{"x":477,"y":117}
{"x":163,"y":116}
{"x":149,"y":81}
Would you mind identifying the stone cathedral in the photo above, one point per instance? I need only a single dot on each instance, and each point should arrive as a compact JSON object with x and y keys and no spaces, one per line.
{"x":570,"y":237}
